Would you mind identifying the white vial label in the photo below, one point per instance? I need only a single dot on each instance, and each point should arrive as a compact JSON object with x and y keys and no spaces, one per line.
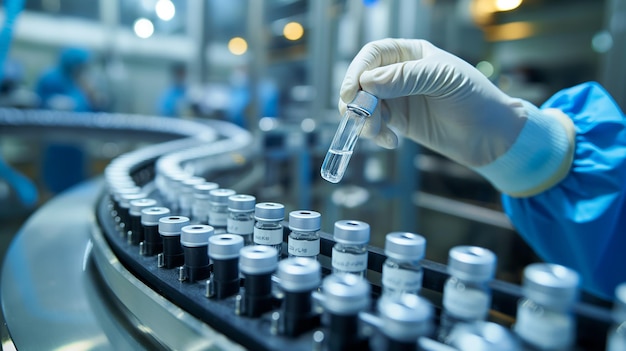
{"x":304,"y":247}
{"x":240,"y":227}
{"x":466,"y":304}
{"x":349,"y":262}
{"x":401,"y":279}
{"x":546,"y":330}
{"x":268,"y":236}
{"x":218,"y":219}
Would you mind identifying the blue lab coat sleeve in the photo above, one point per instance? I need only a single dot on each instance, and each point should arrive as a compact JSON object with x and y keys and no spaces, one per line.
{"x":581,"y":222}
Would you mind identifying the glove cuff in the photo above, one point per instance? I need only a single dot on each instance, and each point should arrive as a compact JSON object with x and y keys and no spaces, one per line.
{"x":539,"y":158}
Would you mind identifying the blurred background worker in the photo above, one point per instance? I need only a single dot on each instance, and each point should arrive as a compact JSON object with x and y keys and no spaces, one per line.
{"x":561,"y":168}
{"x":173,"y":101}
{"x":64,"y":88}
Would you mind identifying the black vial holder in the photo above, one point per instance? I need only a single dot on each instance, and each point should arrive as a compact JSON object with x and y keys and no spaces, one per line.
{"x":257,"y":297}
{"x":153,"y":243}
{"x":196,"y":263}
{"x":344,"y":333}
{"x":297,"y":316}
{"x":225,"y":277}
{"x":173,"y":255}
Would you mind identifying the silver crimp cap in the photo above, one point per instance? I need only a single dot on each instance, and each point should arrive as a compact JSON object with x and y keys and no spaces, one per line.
{"x":306,"y":221}
{"x":258,"y":259}
{"x":406,"y":318}
{"x":345,"y":294}
{"x":201,"y":191}
{"x":405,"y":246}
{"x":550,"y":284}
{"x":171,"y":226}
{"x":269,"y":211}
{"x":151,"y":215}
{"x":471,"y":263}
{"x":196,"y":235}
{"x":225,"y":246}
{"x":220,"y":196}
{"x":364,"y":102}
{"x":241,"y":202}
{"x":351,"y":232}
{"x":137,"y":205}
{"x":299,"y":274}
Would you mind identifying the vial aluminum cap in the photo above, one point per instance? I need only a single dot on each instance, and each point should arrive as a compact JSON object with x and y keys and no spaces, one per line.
{"x":483,"y":336}
{"x":189,"y":183}
{"x":305,"y":221}
{"x":299,"y":274}
{"x":364,"y":101}
{"x":550,"y":285}
{"x":405,"y":246}
{"x":471,"y":263}
{"x":125,"y":199}
{"x":119,"y":191}
{"x":269,"y":211}
{"x":619,"y":308}
{"x":171,"y":226}
{"x":137,"y":205}
{"x":220,"y":196}
{"x":241,"y":202}
{"x":345,"y":294}
{"x":203,"y":190}
{"x":258,"y":259}
{"x":225,"y":246}
{"x":406,"y":318}
{"x":351,"y":232}
{"x":151,"y":215}
{"x":196,"y":235}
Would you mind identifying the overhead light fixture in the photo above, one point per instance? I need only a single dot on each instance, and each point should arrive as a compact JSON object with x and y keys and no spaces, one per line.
{"x":293,"y":31}
{"x":507,"y":5}
{"x":237,"y":46}
{"x":143,"y":28}
{"x":165,"y":9}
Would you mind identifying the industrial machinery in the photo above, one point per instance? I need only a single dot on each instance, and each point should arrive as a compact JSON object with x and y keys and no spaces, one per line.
{"x":80,"y":276}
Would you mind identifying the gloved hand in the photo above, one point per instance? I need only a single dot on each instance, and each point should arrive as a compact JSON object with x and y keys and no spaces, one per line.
{"x":445,"y":104}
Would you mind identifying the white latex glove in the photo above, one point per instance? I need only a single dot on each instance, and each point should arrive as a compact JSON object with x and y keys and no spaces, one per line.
{"x":445,"y":104}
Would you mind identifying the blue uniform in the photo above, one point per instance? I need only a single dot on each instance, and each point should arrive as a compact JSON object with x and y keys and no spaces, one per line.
{"x":581,"y":222}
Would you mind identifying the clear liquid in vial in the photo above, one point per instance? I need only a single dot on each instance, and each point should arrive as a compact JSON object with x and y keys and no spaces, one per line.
{"x":335,"y":164}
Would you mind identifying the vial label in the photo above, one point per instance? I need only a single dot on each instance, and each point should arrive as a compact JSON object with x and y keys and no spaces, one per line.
{"x":239,"y":227}
{"x":401,"y":279}
{"x":545,"y":329}
{"x":468,"y":304}
{"x":349,"y":262}
{"x":218,"y":219}
{"x":303,"y":247}
{"x":268,"y":236}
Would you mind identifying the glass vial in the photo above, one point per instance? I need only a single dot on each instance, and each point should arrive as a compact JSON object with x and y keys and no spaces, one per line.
{"x":268,"y":229}
{"x":404,"y":321}
{"x":402,"y":270}
{"x":185,"y":199}
{"x":241,"y":216}
{"x":350,"y":251}
{"x":218,"y":209}
{"x":617,"y":333}
{"x":466,"y":293}
{"x":342,"y":146}
{"x":201,"y":203}
{"x":257,"y":263}
{"x":544,"y":315}
{"x":345,"y":295}
{"x":224,"y":251}
{"x":304,"y":239}
{"x":298,"y":277}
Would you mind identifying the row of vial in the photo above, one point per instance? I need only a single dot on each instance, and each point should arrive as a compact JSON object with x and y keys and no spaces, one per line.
{"x":544,"y":320}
